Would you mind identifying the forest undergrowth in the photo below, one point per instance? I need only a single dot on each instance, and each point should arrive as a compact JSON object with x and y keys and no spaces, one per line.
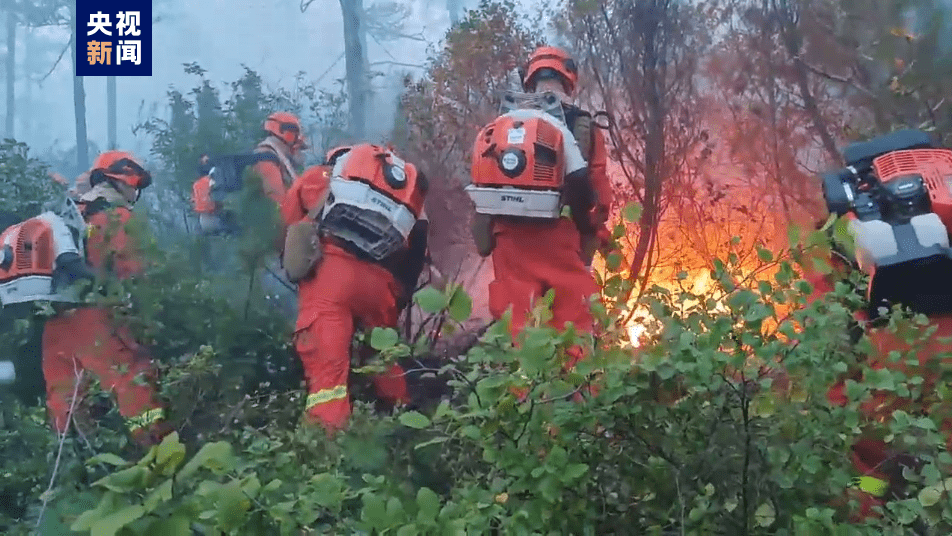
{"x":717,"y":423}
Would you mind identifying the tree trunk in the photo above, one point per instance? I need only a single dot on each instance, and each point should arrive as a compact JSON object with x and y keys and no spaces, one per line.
{"x":111,"y":110}
{"x":356,"y":62}
{"x":79,"y":104}
{"x":26,"y":122}
{"x":11,"y":68}
{"x":793,"y":42}
{"x":454,"y":7}
{"x":655,"y":166}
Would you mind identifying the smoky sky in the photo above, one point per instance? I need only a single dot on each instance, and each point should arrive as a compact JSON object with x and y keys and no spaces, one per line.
{"x":273,"y":38}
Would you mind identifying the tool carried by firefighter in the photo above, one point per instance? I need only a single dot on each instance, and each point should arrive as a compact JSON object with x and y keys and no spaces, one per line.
{"x":896,"y":191}
{"x":374,"y":202}
{"x":227,"y":172}
{"x":524,"y":159}
{"x":42,"y":256}
{"x":302,"y":245}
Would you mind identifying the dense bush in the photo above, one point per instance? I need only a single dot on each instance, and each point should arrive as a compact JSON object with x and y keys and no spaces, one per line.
{"x":688,"y":434}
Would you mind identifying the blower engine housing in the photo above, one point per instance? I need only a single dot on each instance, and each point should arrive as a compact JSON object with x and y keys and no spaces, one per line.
{"x":38,"y":258}
{"x":523,"y":158}
{"x":375,"y":200}
{"x":896,"y":191}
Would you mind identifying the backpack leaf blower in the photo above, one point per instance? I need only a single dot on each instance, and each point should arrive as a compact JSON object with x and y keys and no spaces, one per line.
{"x":896,"y":191}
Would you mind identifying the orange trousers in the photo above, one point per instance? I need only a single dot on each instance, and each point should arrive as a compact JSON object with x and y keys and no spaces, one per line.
{"x":531,"y":259}
{"x":343,"y":293}
{"x":84,"y":340}
{"x":870,"y":455}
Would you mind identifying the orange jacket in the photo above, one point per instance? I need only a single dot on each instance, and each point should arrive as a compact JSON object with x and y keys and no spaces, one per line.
{"x":202,"y":196}
{"x":272,"y":176}
{"x":598,"y":174}
{"x":304,"y":194}
{"x":109,"y":245}
{"x":275,"y":179}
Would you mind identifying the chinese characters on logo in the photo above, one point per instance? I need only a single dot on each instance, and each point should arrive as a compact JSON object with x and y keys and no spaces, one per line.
{"x":128,"y":50}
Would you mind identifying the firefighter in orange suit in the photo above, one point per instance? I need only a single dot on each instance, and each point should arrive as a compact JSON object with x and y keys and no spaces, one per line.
{"x":878,"y":466}
{"x":201,"y":189}
{"x":85,"y":339}
{"x":285,"y":138}
{"x":531,"y":258}
{"x":358,"y":281}
{"x":210,"y":219}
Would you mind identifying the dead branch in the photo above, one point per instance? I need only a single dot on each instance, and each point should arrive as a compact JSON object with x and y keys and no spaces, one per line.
{"x":62,"y":440}
{"x":58,"y":59}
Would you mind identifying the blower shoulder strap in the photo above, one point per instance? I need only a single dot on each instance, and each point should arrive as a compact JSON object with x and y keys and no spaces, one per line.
{"x":91,"y":208}
{"x":582,"y":130}
{"x":315,"y":211}
{"x":285,"y":163}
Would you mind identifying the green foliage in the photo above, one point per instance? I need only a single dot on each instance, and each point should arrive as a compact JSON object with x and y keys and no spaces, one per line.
{"x":719,"y":425}
{"x":25,"y":186}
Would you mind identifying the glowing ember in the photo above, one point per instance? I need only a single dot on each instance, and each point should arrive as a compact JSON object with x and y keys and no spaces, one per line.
{"x":635,"y":331}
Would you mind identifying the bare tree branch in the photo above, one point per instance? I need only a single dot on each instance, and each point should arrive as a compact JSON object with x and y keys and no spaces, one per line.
{"x":58,"y":59}
{"x":398,"y":64}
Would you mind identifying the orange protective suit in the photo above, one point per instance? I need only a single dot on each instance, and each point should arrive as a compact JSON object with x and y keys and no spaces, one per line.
{"x":342,"y":294}
{"x":86,"y":338}
{"x":202,"y":196}
{"x":530,"y":258}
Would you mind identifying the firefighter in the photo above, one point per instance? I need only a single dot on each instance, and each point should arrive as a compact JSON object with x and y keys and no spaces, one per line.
{"x":342,"y":287}
{"x":552,"y":69}
{"x":276,"y":160}
{"x":878,"y":467}
{"x":530,"y":258}
{"x":285,"y":138}
{"x":210,"y":219}
{"x":202,"y":197}
{"x":84,"y":340}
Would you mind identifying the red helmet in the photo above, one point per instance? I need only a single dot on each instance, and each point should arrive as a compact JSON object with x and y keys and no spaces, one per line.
{"x":551,"y":62}
{"x":120,"y":166}
{"x":331,"y":158}
{"x":287,"y":127}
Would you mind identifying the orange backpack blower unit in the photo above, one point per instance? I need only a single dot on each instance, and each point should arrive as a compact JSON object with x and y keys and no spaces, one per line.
{"x":896,"y":191}
{"x":42,"y":256}
{"x":522,"y":160}
{"x":374,"y":202}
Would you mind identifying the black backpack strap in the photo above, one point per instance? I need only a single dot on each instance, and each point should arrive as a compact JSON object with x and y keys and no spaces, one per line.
{"x":96,"y":206}
{"x":407,"y":264}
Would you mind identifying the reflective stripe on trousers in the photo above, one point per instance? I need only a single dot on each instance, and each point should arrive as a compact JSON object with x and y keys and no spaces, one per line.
{"x":144,"y":419}
{"x":326,"y":395}
{"x":872,"y":485}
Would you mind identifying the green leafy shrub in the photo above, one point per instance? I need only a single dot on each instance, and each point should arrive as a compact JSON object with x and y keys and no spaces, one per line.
{"x":720,"y":425}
